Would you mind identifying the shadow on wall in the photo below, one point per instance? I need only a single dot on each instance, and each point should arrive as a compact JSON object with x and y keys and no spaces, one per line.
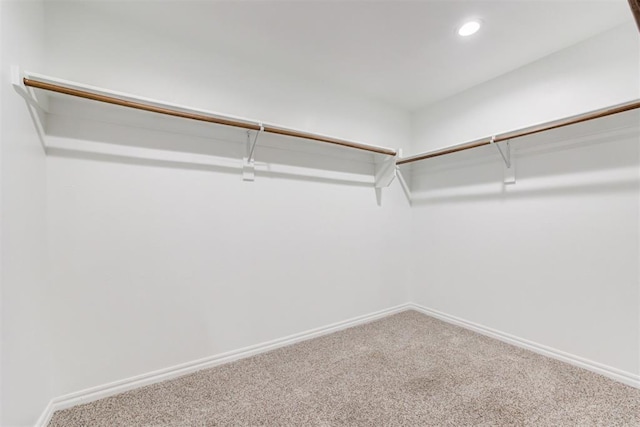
{"x":184,"y":165}
{"x":92,"y":131}
{"x":596,"y":157}
{"x":36,"y":113}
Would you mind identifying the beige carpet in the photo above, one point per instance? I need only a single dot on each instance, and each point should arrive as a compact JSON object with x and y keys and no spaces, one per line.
{"x":407,"y":369}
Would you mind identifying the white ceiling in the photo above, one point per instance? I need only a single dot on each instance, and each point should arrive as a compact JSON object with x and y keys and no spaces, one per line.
{"x":406,"y":53}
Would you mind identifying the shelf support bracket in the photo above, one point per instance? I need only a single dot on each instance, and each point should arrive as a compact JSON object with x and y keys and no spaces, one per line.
{"x":384,"y":174}
{"x":509,"y":164}
{"x":385,"y":171}
{"x":404,"y":183}
{"x":248,"y":162}
{"x":17,"y":77}
{"x":36,"y":107}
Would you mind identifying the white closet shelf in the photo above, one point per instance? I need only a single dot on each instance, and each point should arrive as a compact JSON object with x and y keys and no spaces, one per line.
{"x":542,"y":127}
{"x":385,"y":170}
{"x":66,"y":87}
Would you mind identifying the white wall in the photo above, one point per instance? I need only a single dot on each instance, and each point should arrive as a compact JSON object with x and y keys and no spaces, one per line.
{"x":554,"y":258}
{"x":141,"y":61}
{"x":155,"y":266}
{"x":154,"y":260}
{"x":596,"y":73}
{"x":159,"y":262}
{"x":25,"y":367}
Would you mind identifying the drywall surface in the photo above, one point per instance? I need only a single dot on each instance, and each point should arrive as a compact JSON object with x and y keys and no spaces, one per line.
{"x":25,"y":368}
{"x":156,"y":265}
{"x":554,"y":258}
{"x":141,"y":61}
{"x":160,"y":254}
{"x":596,"y":73}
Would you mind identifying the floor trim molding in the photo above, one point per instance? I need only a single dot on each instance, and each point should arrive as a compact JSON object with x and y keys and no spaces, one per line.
{"x":110,"y":389}
{"x":46,"y":415}
{"x":625,"y":377}
{"x":106,"y":390}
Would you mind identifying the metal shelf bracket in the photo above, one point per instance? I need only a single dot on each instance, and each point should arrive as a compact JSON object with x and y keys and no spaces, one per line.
{"x":17,"y":80}
{"x":385,"y":171}
{"x":37,"y":107}
{"x":509,"y":164}
{"x":248,"y":162}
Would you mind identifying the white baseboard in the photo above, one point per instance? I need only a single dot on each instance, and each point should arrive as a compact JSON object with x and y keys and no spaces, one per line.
{"x":117,"y":387}
{"x":608,"y":371}
{"x":121,"y":386}
{"x":46,"y":415}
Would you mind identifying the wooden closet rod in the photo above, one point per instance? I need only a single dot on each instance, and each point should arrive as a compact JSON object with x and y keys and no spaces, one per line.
{"x":635,"y":10}
{"x":202,"y":117}
{"x":526,"y":131}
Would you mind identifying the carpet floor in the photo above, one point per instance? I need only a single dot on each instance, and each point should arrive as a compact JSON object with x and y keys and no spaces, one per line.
{"x":407,"y":369}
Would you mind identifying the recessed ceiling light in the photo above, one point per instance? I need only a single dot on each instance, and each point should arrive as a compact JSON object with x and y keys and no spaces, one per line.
{"x":468,"y":28}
